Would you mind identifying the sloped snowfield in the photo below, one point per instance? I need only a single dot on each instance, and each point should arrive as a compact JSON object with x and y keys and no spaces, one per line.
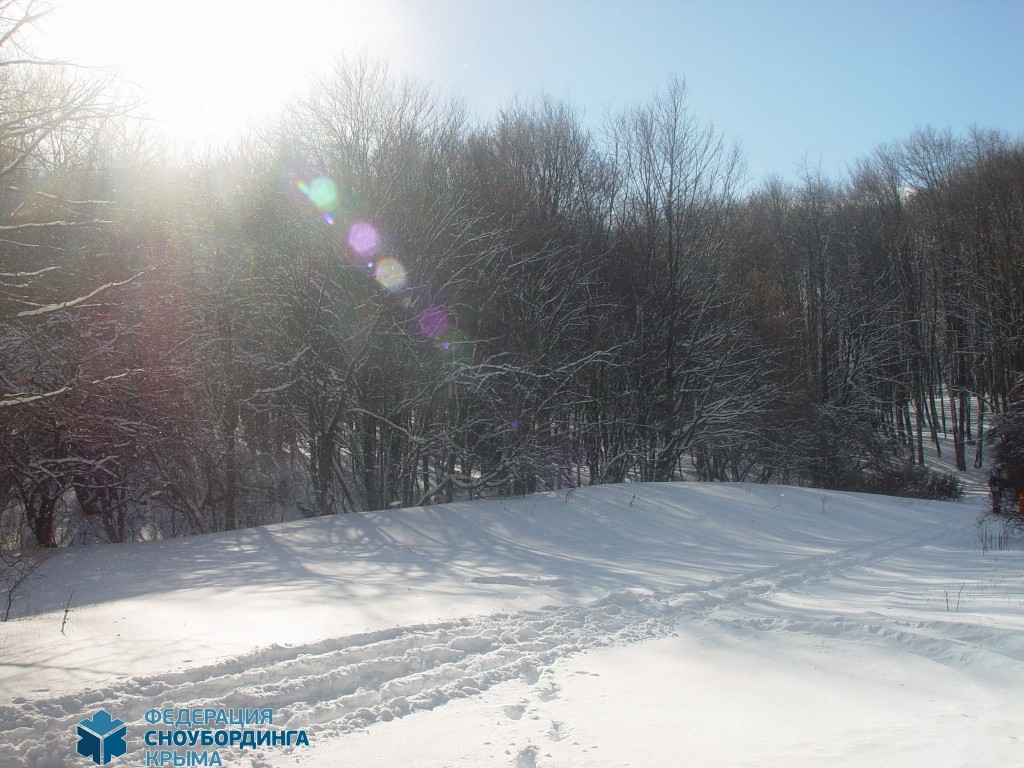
{"x":645,"y":625}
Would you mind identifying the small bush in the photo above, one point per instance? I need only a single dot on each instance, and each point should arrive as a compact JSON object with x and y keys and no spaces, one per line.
{"x":917,"y":482}
{"x":997,"y":531}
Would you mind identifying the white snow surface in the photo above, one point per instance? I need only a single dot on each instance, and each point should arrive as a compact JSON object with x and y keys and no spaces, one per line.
{"x":645,"y":625}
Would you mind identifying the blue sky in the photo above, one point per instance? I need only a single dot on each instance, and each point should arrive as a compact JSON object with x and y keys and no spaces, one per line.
{"x":820,"y":83}
{"x":795,"y":82}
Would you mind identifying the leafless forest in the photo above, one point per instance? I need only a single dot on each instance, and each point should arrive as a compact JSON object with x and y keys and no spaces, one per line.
{"x":373,"y":301}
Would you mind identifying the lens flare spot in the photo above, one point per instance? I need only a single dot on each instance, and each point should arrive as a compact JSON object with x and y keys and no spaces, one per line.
{"x":363,"y":238}
{"x":456,"y":348}
{"x":434,"y":322}
{"x":391,"y":274}
{"x":329,"y":219}
{"x":322,"y":191}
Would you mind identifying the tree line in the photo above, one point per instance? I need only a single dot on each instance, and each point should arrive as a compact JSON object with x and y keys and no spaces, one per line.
{"x":373,"y":301}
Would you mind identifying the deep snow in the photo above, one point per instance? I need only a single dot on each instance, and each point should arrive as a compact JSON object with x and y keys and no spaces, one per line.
{"x":647,"y":625}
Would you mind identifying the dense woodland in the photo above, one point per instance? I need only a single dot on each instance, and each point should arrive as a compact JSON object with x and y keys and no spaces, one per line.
{"x":374,"y":301}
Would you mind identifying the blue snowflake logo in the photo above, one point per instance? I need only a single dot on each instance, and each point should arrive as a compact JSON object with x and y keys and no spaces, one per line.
{"x":101,"y":737}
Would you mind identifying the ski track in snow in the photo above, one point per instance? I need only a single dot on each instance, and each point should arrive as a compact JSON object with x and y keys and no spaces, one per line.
{"x":344,"y":684}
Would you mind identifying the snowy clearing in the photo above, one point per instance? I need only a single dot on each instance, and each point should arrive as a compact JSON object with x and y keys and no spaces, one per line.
{"x":646,"y":625}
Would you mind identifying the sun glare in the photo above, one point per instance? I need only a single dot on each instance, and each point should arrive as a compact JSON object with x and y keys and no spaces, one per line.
{"x":205,"y":69}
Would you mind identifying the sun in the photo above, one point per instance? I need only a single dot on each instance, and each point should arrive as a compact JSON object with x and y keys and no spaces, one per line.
{"x":206,"y":69}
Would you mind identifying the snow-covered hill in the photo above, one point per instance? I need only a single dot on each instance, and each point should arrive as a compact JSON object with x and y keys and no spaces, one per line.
{"x":647,"y":625}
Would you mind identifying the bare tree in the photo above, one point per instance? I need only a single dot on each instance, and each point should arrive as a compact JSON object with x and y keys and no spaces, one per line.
{"x":56,"y":338}
{"x":693,"y":369}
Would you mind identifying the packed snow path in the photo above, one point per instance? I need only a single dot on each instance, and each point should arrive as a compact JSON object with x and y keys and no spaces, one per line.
{"x":872,"y":578}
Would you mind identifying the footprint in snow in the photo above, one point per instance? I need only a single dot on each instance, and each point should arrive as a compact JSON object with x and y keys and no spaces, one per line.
{"x":527,"y":758}
{"x":558,"y":731}
{"x":548,"y":692}
{"x":515,"y":711}
{"x":530,"y":675}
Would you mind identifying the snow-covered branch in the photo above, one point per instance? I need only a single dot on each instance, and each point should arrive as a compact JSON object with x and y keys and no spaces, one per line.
{"x":75,"y":302}
{"x":24,"y":398}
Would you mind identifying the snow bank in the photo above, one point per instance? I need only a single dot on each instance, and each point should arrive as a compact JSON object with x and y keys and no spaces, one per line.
{"x":360,"y":627}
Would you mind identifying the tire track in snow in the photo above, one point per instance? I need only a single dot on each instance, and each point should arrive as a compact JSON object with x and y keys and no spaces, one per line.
{"x":344,"y":684}
{"x":800,"y":571}
{"x":944,"y":641}
{"x":955,"y":644}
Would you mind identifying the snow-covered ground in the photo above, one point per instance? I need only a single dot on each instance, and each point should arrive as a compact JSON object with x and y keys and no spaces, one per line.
{"x":645,"y":625}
